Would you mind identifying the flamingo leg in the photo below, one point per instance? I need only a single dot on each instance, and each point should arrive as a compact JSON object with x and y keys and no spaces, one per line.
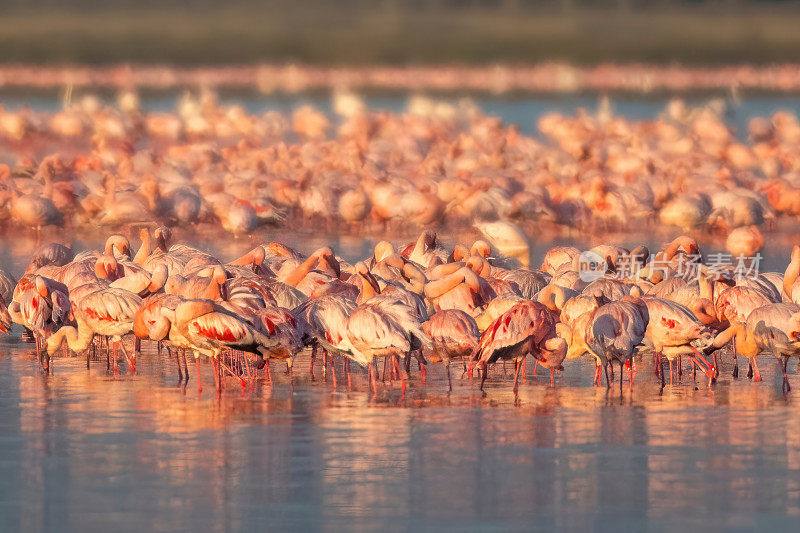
{"x":422,"y":364}
{"x":449,"y":380}
{"x":517,"y":367}
{"x":630,"y":370}
{"x":311,"y":364}
{"x":324,"y":365}
{"x":199,"y":376}
{"x":116,"y":356}
{"x":373,"y":376}
{"x":137,"y":349}
{"x":484,"y":368}
{"x":347,"y":373}
{"x":605,"y":370}
{"x":522,"y":367}
{"x":756,"y":373}
{"x":598,"y":374}
{"x":383,"y":377}
{"x":396,"y":363}
{"x":177,"y":363}
{"x":217,"y":380}
{"x":185,"y":365}
{"x":706,"y":368}
{"x":735,"y":362}
{"x":782,"y":361}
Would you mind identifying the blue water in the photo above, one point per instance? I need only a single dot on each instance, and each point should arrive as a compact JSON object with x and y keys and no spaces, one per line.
{"x":523,"y":110}
{"x":86,"y":450}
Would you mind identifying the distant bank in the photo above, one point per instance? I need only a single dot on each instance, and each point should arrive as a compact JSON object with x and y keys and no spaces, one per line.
{"x":363,"y":32}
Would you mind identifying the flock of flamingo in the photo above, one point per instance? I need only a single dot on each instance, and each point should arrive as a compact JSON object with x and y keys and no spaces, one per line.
{"x":474,"y":305}
{"x":548,"y":77}
{"x":90,"y":165}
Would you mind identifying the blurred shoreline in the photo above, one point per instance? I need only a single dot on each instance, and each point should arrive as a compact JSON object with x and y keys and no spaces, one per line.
{"x":548,"y":77}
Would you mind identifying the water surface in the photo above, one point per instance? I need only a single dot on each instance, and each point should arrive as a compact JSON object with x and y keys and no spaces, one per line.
{"x":85,"y":450}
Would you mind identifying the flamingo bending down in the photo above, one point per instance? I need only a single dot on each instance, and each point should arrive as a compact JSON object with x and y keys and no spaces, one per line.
{"x":615,"y":330}
{"x":674,"y":331}
{"x":774,"y":327}
{"x":454,"y":334}
{"x":385,"y":329}
{"x":109,"y":312}
{"x":526,"y":328}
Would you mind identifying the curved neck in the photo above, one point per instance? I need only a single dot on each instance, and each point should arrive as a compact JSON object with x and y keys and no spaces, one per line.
{"x":160,"y":329}
{"x":706,"y":288}
{"x":144,"y":250}
{"x":369,"y":286}
{"x":75,"y":342}
{"x":158,"y":278}
{"x":790,"y":276}
{"x":297,"y":275}
{"x":416,"y":279}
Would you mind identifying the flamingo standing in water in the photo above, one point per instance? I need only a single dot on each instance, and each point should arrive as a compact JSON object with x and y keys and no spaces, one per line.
{"x":527,"y":328}
{"x":773,"y":327}
{"x":325,"y":325}
{"x":454,"y":334}
{"x":109,"y":312}
{"x":674,"y":331}
{"x":615,"y":330}
{"x":386,"y":329}
{"x":209,"y":328}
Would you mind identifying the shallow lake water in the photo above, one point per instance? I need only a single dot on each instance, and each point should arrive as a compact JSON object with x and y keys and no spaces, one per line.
{"x":89,"y":450}
{"x":85,"y":450}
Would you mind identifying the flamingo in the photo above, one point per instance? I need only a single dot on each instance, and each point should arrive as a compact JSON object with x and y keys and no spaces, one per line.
{"x":770,"y":327}
{"x":454,"y":334}
{"x":614,"y":330}
{"x":674,"y":331}
{"x":208,"y":329}
{"x":526,"y":328}
{"x":109,"y":312}
{"x":324,"y":322}
{"x":387,"y":329}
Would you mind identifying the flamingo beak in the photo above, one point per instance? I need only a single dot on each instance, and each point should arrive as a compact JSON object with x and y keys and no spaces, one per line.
{"x":707,"y":368}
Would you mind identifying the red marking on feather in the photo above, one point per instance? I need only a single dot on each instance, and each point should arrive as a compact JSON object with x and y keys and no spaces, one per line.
{"x":668,"y":322}
{"x":508,"y":319}
{"x":35,"y":303}
{"x":270,"y":325}
{"x":494,"y":328}
{"x":212,"y":333}
{"x":91,"y":313}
